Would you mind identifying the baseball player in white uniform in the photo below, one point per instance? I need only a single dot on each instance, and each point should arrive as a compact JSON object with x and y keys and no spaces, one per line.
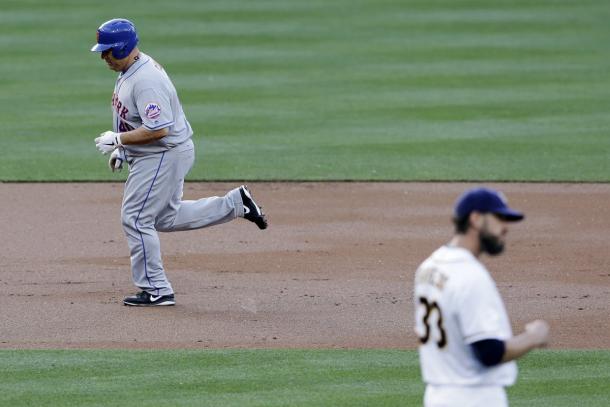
{"x":151,"y":133}
{"x":467,"y":349}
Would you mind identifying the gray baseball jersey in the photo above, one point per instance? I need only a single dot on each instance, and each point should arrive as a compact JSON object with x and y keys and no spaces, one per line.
{"x":152,"y":200}
{"x":145,"y":96}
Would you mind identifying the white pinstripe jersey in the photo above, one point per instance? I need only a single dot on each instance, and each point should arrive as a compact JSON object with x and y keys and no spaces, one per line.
{"x":457,"y":303}
{"x":145,"y":96}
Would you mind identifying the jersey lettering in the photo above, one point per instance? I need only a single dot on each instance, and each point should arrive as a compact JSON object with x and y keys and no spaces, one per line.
{"x":121,"y":109}
{"x":124,"y":126}
{"x":431,"y":276}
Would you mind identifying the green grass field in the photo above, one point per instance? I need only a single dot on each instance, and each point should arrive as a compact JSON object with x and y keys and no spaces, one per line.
{"x":320,"y":90}
{"x":273,"y":378}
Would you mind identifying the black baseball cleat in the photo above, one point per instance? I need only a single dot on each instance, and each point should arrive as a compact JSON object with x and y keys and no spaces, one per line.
{"x":252,"y":211}
{"x":144,"y":299}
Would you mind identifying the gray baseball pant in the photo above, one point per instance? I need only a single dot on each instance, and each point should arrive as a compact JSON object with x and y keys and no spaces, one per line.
{"x":152,"y":201}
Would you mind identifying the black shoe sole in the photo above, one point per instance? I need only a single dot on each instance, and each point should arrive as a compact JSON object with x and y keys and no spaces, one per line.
{"x":260,"y":221}
{"x":150,"y":304}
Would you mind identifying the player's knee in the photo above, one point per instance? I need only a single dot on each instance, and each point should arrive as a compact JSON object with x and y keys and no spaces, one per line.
{"x":128,"y":220}
{"x":166,"y":219}
{"x":163,"y":226}
{"x":137,"y":221}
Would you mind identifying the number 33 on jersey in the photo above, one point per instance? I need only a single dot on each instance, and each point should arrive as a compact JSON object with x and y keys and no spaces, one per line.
{"x":428,"y":313}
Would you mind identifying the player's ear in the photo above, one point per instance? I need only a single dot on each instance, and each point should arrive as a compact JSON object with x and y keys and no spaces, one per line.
{"x":476,"y":220}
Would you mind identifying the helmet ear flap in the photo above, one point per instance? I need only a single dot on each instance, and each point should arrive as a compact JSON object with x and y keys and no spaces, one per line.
{"x":119,"y":52}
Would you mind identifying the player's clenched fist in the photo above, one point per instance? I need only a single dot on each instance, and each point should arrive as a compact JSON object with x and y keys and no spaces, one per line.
{"x":538,"y":331}
{"x":108,"y":141}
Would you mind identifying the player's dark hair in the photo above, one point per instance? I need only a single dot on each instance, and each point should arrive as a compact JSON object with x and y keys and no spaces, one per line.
{"x":461,"y":224}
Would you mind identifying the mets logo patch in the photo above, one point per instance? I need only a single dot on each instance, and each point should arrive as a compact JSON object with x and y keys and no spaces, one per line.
{"x":152,"y":111}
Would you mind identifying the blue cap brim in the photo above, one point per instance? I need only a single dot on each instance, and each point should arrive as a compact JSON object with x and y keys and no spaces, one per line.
{"x":101,"y":47}
{"x":509,"y":215}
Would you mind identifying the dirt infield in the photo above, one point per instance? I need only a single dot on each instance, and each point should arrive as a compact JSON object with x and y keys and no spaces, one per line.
{"x":334,"y":269}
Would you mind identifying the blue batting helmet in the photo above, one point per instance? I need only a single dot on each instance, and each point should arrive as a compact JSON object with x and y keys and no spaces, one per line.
{"x":117,"y":34}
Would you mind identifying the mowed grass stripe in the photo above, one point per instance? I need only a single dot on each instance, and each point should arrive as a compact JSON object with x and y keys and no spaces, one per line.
{"x":194,"y":378}
{"x":325,"y":90}
{"x":273,"y":378}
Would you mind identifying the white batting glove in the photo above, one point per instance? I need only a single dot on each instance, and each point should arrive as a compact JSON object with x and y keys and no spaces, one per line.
{"x":117,"y":158}
{"x":108,"y":141}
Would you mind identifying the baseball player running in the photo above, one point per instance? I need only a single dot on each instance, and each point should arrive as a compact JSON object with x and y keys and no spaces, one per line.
{"x":467,"y":349}
{"x":151,"y":133}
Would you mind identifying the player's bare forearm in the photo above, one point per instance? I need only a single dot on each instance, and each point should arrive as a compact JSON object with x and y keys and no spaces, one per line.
{"x":536,"y":335}
{"x":142,"y":135}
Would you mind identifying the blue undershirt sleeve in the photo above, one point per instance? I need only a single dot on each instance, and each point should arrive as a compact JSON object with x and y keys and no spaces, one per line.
{"x":489,"y":351}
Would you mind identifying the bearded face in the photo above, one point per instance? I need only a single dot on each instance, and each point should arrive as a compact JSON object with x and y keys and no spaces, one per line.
{"x":491,"y":244}
{"x":491,"y":234}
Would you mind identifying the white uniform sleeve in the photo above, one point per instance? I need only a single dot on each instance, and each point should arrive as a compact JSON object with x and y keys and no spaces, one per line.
{"x":482,"y":314}
{"x":154,"y":108}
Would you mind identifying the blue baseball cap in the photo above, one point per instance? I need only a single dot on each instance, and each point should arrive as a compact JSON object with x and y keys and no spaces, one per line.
{"x":485,"y":200}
